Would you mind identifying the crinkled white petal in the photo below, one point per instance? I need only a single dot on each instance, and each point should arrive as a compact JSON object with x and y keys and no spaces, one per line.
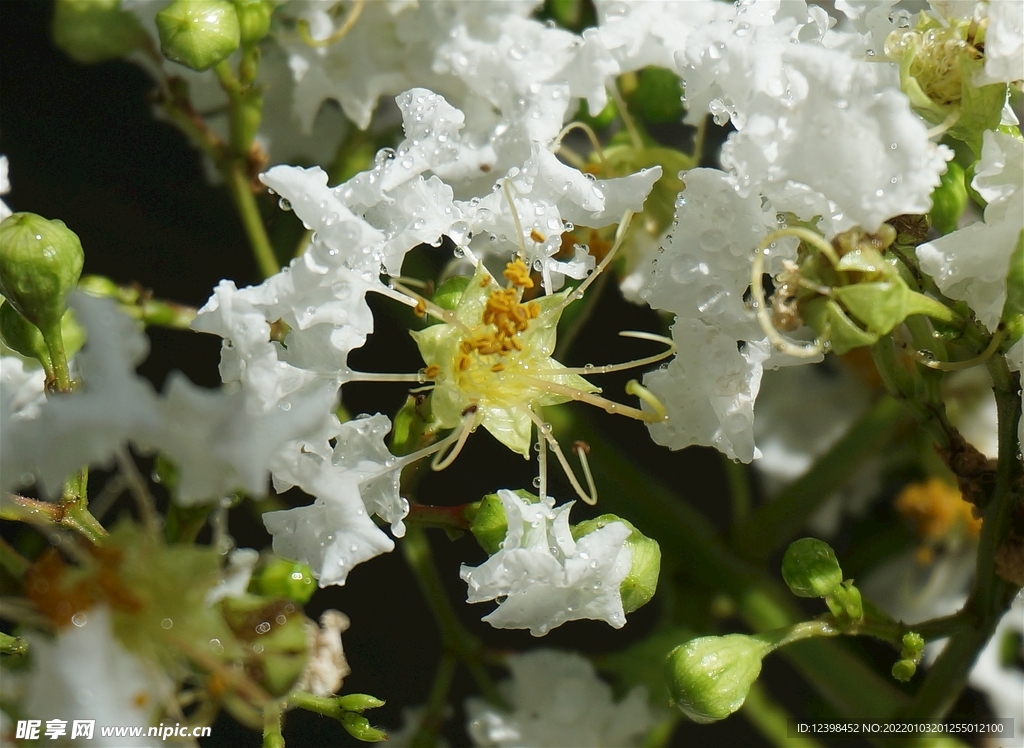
{"x":544,"y":577}
{"x":1001,"y":682}
{"x":86,"y":673}
{"x":556,"y":699}
{"x":21,"y":398}
{"x":235,"y":577}
{"x":1004,"y":42}
{"x":709,"y":390}
{"x":972,"y":264}
{"x":335,"y":533}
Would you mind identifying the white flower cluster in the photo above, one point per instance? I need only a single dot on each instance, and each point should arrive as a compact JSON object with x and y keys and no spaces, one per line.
{"x":544,"y":577}
{"x":557,"y":700}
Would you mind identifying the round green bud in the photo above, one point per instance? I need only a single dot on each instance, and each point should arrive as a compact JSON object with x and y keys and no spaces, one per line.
{"x":360,"y":728}
{"x":639,"y":586}
{"x":20,"y":335}
{"x":709,"y":677}
{"x":40,"y":262}
{"x":449,"y":294}
{"x":904,"y":670}
{"x":949,"y":199}
{"x":198,"y":33}
{"x":91,"y":31}
{"x":98,"y":285}
{"x":913,"y":646}
{"x":253,"y":19}
{"x":284,"y":578}
{"x":810,"y":568}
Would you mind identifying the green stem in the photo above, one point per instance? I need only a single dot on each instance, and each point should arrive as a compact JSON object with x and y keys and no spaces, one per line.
{"x":433,"y":718}
{"x":771,"y":719}
{"x":778,"y":521}
{"x":249,"y":213}
{"x":902,"y":385}
{"x":272,"y":715}
{"x":739,"y":490}
{"x":13,"y":561}
{"x":689,"y":541}
{"x":54,"y":339}
{"x":416,"y":549}
{"x":445,"y":517}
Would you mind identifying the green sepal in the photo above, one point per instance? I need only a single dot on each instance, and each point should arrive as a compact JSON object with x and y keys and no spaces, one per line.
{"x":20,"y":335}
{"x":286,"y":579}
{"x":359,"y":702}
{"x":40,"y":263}
{"x":829,"y":321}
{"x":449,"y":293}
{"x":198,"y":33}
{"x":883,"y":305}
{"x":91,"y":31}
{"x":360,"y":728}
{"x":709,"y":677}
{"x":846,"y":604}
{"x":658,"y":97}
{"x":411,"y":426}
{"x":903,"y":670}
{"x":981,"y":107}
{"x":949,"y":199}
{"x":641,"y":582}
{"x":810,"y":568}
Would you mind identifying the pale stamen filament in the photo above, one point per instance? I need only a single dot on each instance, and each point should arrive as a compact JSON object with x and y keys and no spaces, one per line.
{"x":620,"y":236}
{"x":607,"y":406}
{"x":544,"y":430}
{"x":627,"y":119}
{"x":582,"y":449}
{"x":339,"y":34}
{"x":761,"y":309}
{"x":373,"y":376}
{"x":647,"y":397}
{"x":428,"y":306}
{"x":594,"y":142}
{"x":442,"y":460}
{"x":626,"y":365}
{"x":431,"y":449}
{"x":506,"y":187}
{"x":542,"y":466}
{"x":925,"y":360}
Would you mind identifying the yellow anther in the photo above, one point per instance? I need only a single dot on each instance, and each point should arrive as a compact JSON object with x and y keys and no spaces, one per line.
{"x":498,"y":367}
{"x":420,"y":310}
{"x":935,"y":508}
{"x":536,"y":236}
{"x":518,"y":273}
{"x":463,"y":362}
{"x":485,"y":281}
{"x":432,"y":372}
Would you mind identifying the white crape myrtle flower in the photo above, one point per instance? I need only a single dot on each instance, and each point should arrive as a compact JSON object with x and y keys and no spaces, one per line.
{"x":558,"y":701}
{"x":235,"y":577}
{"x":1004,"y":42}
{"x":544,"y":577}
{"x":701,"y":276}
{"x":86,"y":673}
{"x":971,"y":264}
{"x":336,"y":532}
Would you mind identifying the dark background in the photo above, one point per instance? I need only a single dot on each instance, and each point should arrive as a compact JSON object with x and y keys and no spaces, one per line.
{"x":84,"y":148}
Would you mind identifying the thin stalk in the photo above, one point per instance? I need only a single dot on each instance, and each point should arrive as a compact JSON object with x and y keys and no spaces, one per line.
{"x":249,"y":213}
{"x":778,"y":521}
{"x":426,"y":735}
{"x":272,"y":715}
{"x":13,"y":561}
{"x":416,"y":549}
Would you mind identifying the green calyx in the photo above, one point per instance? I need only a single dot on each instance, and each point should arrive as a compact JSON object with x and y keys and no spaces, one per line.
{"x":286,"y":579}
{"x":810,"y":568}
{"x":949,"y":199}
{"x":639,"y":586}
{"x":858,"y":296}
{"x":21,"y":336}
{"x":40,"y":262}
{"x":253,"y":19}
{"x":709,"y":677}
{"x":489,"y":524}
{"x":198,"y":33}
{"x":278,"y":627}
{"x":91,"y":31}
{"x":910,"y":657}
{"x":846,"y":604}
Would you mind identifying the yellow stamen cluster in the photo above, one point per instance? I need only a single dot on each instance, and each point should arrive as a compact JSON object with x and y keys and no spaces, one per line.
{"x":938,"y":513}
{"x":507,"y":314}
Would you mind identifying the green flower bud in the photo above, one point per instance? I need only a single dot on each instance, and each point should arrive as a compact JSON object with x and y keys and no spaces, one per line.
{"x":90,"y":31}
{"x":100,"y":286}
{"x":198,"y":33}
{"x":276,"y":631}
{"x":949,"y":199}
{"x":913,"y":646}
{"x":659,"y":95}
{"x":845,"y":603}
{"x":904,"y":670}
{"x":360,"y":728}
{"x":449,"y":293}
{"x":359,"y":702}
{"x":638,"y":587}
{"x":253,"y":19}
{"x":20,"y":335}
{"x":490,"y":525}
{"x":40,"y":262}
{"x":284,"y":578}
{"x":810,"y":568}
{"x":599,"y":119}
{"x":709,"y":677}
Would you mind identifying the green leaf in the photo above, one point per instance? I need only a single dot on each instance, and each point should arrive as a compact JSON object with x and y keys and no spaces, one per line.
{"x":981,"y":107}
{"x":658,"y":97}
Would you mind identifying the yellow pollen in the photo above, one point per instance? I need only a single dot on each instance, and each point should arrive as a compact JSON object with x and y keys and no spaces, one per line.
{"x":936,"y":510}
{"x":498,"y":367}
{"x":518,"y":274}
{"x":536,"y":236}
{"x":432,"y":372}
{"x":485,"y":281}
